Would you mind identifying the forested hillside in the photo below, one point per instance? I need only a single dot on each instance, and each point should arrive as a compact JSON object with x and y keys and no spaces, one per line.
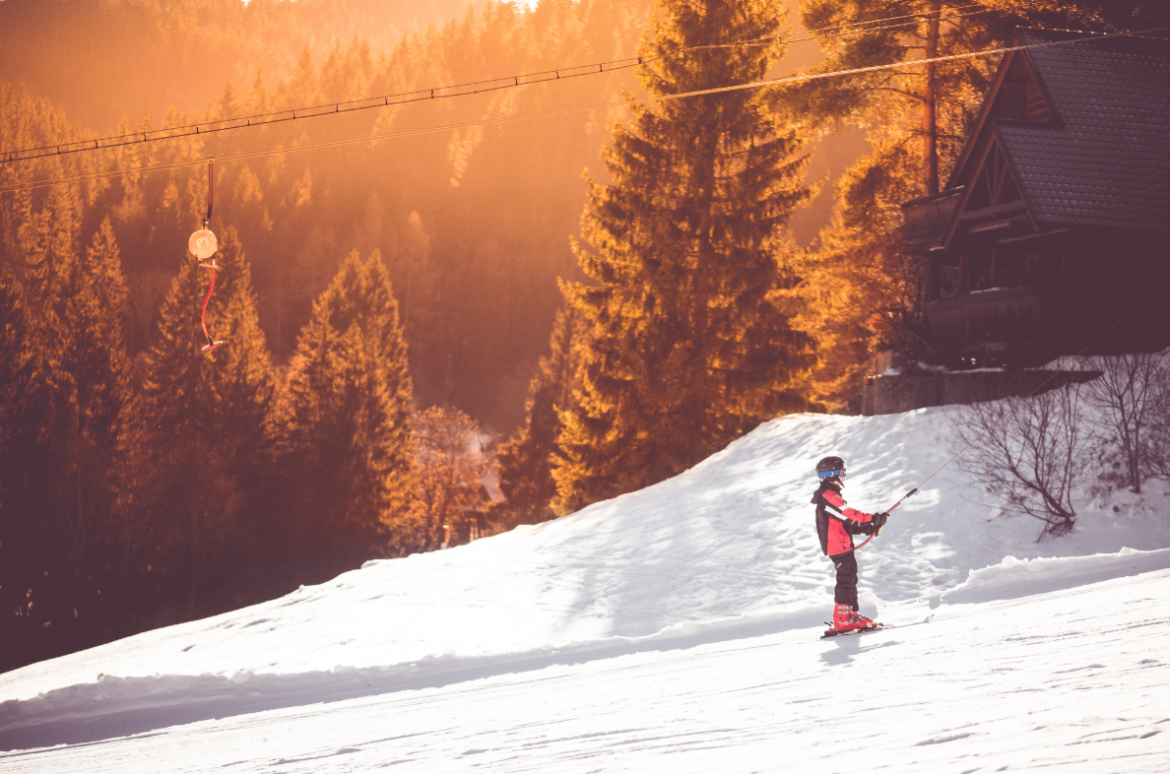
{"x":106,"y":59}
{"x":142,"y":483}
{"x":389,"y":278}
{"x":474,"y":223}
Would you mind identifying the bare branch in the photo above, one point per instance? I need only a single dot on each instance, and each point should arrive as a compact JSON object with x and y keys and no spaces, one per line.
{"x":1156,"y":450}
{"x":906,"y":94}
{"x":1126,"y":394}
{"x":1025,"y":451}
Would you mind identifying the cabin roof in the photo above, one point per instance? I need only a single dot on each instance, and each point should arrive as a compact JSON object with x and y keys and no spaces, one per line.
{"x":1101,"y":155}
{"x":1071,"y":176}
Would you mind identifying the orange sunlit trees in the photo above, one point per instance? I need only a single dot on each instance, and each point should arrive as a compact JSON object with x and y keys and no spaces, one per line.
{"x":684,"y":350}
{"x":200,"y":429}
{"x":25,"y":549}
{"x":66,"y":385}
{"x":89,"y":371}
{"x":345,"y":425}
{"x":62,"y":443}
{"x":861,"y":285}
{"x":525,"y":461}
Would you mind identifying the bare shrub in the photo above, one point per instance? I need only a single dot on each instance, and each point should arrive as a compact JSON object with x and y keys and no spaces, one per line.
{"x":1126,"y":395}
{"x":1156,"y":450}
{"x":451,"y":464}
{"x":1026,"y":451}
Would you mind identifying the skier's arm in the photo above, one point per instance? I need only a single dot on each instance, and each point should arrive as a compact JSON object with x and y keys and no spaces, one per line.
{"x":853,"y":520}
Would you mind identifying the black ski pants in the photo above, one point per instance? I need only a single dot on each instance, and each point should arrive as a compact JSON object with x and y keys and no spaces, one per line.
{"x":846,"y":591}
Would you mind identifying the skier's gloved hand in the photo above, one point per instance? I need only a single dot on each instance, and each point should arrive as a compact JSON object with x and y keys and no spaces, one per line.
{"x":879,"y":520}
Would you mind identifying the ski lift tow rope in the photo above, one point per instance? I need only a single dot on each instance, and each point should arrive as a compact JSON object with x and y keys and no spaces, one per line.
{"x":211,"y":343}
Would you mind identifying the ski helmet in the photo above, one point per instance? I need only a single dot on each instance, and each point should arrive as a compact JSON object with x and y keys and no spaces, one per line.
{"x":831,"y":467}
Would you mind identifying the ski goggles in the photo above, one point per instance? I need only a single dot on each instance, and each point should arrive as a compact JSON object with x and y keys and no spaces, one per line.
{"x":831,"y":473}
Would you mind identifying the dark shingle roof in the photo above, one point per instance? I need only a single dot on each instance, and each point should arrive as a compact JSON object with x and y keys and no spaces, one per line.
{"x":1106,"y":161}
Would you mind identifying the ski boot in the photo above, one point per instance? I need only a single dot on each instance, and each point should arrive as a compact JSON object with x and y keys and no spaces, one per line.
{"x":843,"y":618}
{"x":861,"y":622}
{"x":846,"y":619}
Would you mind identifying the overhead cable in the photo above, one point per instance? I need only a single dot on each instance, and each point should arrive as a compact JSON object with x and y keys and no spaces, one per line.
{"x":446,"y":92}
{"x":564,"y":111}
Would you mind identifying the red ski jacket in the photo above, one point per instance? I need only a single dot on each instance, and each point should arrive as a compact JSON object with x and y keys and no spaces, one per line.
{"x":837,"y":523}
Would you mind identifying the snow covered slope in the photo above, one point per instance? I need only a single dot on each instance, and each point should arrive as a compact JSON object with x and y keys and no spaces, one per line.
{"x":680,"y":619}
{"x":1072,"y":681}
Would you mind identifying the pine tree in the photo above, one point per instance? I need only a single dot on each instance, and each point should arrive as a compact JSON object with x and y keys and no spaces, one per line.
{"x":525,"y":461}
{"x":685,"y":350}
{"x":89,"y":359}
{"x":345,"y":423}
{"x":305,"y":87}
{"x":924,"y":108}
{"x":25,"y":547}
{"x":70,"y":379}
{"x":201,"y":434}
{"x":19,"y":425}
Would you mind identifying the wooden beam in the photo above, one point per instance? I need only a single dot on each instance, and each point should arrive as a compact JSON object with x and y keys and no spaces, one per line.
{"x":994,"y":210}
{"x":976,"y":132}
{"x":1026,"y":237}
{"x":1064,"y":255}
{"x":992,"y":225}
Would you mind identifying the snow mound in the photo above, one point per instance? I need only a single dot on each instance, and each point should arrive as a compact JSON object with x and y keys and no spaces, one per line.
{"x":1013,"y":578}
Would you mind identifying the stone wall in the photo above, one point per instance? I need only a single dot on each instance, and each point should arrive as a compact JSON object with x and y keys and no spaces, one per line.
{"x":903,"y":392}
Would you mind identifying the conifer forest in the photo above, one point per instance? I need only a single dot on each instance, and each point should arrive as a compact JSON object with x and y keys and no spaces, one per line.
{"x":479,"y":264}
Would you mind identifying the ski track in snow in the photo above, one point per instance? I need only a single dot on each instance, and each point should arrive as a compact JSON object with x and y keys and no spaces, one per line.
{"x":979,"y":688}
{"x":673,"y":629}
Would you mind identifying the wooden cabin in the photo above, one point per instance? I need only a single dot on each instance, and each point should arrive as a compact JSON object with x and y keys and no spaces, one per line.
{"x":1056,"y":220}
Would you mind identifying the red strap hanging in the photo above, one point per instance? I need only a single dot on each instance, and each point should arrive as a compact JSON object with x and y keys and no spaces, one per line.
{"x":210,"y":343}
{"x":207,"y":250}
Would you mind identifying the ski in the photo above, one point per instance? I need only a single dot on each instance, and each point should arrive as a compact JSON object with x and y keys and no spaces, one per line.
{"x":835,"y":633}
{"x":849,"y":632}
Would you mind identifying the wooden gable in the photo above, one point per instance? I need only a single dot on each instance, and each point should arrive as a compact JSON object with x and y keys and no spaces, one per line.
{"x":1016,"y":94}
{"x":991,"y":197}
{"x":992,"y":200}
{"x":1083,"y":123}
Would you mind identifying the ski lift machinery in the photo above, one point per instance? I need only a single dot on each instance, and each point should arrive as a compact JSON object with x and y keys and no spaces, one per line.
{"x":203,"y":245}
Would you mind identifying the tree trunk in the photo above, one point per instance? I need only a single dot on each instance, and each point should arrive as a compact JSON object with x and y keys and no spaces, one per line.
{"x":929,"y":122}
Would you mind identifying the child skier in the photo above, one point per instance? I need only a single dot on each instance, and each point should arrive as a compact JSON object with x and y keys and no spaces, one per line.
{"x":836,"y":526}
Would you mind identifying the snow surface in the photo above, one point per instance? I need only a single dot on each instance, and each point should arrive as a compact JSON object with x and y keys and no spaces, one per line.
{"x":673,"y":629}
